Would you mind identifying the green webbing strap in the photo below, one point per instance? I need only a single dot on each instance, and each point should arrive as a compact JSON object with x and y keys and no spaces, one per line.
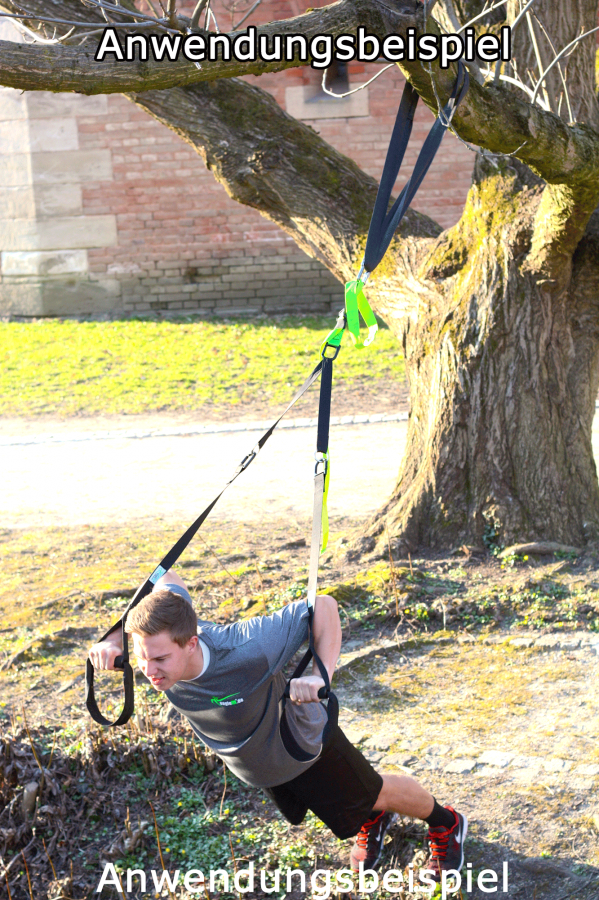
{"x":324,"y":519}
{"x":357,"y":305}
{"x":334,"y":337}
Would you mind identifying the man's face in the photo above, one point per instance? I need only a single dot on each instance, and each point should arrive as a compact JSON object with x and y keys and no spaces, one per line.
{"x":162,"y":660}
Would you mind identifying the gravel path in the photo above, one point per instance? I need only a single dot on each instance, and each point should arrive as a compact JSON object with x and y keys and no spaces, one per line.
{"x":504,"y":729}
{"x":102,"y":471}
{"x":88,"y":481}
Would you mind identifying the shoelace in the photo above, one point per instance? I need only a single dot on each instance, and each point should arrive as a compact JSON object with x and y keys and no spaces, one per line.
{"x":439,"y":843}
{"x":364,"y":833}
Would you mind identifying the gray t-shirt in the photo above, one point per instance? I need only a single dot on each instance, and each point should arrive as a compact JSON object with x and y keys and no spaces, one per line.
{"x":234,"y":706}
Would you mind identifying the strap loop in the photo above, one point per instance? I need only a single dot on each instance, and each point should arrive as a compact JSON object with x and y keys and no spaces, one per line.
{"x":357,"y":305}
{"x":384,"y":224}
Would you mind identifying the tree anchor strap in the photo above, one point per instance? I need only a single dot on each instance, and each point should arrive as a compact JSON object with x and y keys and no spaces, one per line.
{"x":383,"y":224}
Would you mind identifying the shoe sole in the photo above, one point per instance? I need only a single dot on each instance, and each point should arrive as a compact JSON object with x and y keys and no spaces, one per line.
{"x":464,"y":833}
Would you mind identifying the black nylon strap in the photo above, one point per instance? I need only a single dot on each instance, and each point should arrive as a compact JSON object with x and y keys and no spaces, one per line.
{"x":325,"y":693}
{"x":384,"y":224}
{"x":122,"y":662}
{"x":324,"y":406}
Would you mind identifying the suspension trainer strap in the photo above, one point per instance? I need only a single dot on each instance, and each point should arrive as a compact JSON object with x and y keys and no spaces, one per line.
{"x":384,"y":224}
{"x":122,"y":662}
{"x":382,"y":227}
{"x":321,"y":475}
{"x":330,"y":352}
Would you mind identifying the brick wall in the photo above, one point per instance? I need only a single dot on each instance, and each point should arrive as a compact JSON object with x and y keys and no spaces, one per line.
{"x":181,"y":243}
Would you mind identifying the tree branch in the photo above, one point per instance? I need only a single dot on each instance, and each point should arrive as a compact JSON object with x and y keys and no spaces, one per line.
{"x":496,"y":119}
{"x":491,"y":116}
{"x":59,"y":68}
{"x":268,"y":160}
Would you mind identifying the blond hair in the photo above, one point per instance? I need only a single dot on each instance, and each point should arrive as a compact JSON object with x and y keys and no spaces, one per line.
{"x":163,"y":610}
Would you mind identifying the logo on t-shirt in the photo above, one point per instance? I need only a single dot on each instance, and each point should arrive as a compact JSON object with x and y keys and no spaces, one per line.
{"x":227,"y":701}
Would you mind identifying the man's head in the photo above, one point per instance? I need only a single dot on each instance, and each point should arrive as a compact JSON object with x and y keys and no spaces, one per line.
{"x":165,"y":641}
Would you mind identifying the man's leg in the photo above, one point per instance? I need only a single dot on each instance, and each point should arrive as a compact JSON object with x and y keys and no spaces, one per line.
{"x":404,"y":796}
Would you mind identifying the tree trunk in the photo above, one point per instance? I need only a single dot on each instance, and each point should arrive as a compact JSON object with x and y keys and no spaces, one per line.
{"x":546,"y":29}
{"x":503,"y":378}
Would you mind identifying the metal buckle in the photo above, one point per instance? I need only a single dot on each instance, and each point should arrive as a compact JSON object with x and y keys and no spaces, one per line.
{"x":245,"y":462}
{"x":321,"y":459}
{"x":333,"y":355}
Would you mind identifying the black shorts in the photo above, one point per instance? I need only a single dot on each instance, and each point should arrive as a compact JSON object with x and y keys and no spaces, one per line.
{"x":341,"y":788}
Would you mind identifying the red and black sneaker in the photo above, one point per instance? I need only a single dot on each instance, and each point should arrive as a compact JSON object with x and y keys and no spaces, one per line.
{"x":447,"y":846}
{"x":369,"y":840}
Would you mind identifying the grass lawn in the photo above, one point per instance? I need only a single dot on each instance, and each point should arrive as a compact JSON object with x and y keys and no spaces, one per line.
{"x":70,"y":368}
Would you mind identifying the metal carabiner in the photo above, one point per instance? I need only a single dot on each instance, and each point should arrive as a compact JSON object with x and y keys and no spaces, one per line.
{"x":361,"y":272}
{"x":245,"y":462}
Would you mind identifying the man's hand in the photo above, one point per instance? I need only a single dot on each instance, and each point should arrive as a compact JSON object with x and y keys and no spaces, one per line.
{"x":103,"y":655}
{"x":305,"y":689}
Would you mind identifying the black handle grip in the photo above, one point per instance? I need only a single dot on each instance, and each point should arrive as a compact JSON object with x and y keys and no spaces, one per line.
{"x":119,"y":662}
{"x":90,"y":700}
{"x":323,"y":694}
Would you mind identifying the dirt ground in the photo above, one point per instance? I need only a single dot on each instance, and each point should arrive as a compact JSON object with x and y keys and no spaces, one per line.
{"x":479,"y":678}
{"x":507,"y":732}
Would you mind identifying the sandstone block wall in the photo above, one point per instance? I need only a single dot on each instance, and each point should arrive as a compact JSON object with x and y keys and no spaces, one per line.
{"x":105,"y":211}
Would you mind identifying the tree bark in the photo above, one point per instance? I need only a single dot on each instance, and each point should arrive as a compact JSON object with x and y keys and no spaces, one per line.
{"x":502,"y":355}
{"x":503,"y":378}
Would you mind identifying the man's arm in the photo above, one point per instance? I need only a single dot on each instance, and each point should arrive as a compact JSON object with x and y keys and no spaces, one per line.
{"x":326,"y":630}
{"x":104,"y":653}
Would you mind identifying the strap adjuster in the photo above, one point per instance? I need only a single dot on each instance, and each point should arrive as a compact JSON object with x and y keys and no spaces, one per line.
{"x":245,"y":462}
{"x":332,"y":342}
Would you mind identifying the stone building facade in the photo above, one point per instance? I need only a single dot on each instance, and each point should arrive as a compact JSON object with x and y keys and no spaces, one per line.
{"x":105,"y":211}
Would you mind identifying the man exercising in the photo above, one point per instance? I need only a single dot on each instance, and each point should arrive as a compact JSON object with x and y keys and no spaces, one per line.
{"x":227,"y":680}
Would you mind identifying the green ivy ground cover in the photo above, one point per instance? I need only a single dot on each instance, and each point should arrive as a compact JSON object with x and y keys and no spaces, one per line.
{"x":140,"y":366}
